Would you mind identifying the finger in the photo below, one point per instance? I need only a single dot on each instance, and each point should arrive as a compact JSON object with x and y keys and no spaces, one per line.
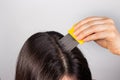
{"x":96,"y":36}
{"x":87,"y":20}
{"x":91,"y":23}
{"x":92,"y":29}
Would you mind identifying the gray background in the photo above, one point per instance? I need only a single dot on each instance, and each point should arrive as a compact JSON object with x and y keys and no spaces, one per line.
{"x":19,"y":19}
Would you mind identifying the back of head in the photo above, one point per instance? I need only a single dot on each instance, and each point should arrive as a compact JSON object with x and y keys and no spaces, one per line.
{"x":42,"y":58}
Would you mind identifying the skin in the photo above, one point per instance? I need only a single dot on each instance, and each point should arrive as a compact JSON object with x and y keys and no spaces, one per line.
{"x":102,"y":30}
{"x":67,"y":77}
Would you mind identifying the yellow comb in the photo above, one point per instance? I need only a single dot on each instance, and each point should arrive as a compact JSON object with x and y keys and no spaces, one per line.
{"x":71,"y":31}
{"x":69,"y":41}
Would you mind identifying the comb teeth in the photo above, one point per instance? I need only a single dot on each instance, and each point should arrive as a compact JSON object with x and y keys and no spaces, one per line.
{"x":68,"y":42}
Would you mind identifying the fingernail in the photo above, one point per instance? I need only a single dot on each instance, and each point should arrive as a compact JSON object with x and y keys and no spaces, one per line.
{"x":75,"y":33}
{"x":77,"y":38}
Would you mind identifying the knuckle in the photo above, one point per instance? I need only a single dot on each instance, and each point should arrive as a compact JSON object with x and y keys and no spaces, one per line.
{"x":112,"y":34}
{"x":111,"y":27}
{"x":110,"y":20}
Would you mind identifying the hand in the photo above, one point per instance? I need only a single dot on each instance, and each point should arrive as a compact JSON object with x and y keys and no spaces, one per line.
{"x":100,"y":29}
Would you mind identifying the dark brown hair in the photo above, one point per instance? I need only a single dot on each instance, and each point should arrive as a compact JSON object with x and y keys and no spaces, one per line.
{"x":41,"y":58}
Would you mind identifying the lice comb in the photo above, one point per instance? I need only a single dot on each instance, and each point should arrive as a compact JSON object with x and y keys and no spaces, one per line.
{"x":69,"y":41}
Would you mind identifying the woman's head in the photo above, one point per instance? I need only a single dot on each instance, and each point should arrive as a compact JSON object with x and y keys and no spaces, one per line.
{"x":42,"y":58}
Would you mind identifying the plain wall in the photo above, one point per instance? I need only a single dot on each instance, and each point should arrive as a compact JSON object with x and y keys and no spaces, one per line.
{"x":19,"y":19}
